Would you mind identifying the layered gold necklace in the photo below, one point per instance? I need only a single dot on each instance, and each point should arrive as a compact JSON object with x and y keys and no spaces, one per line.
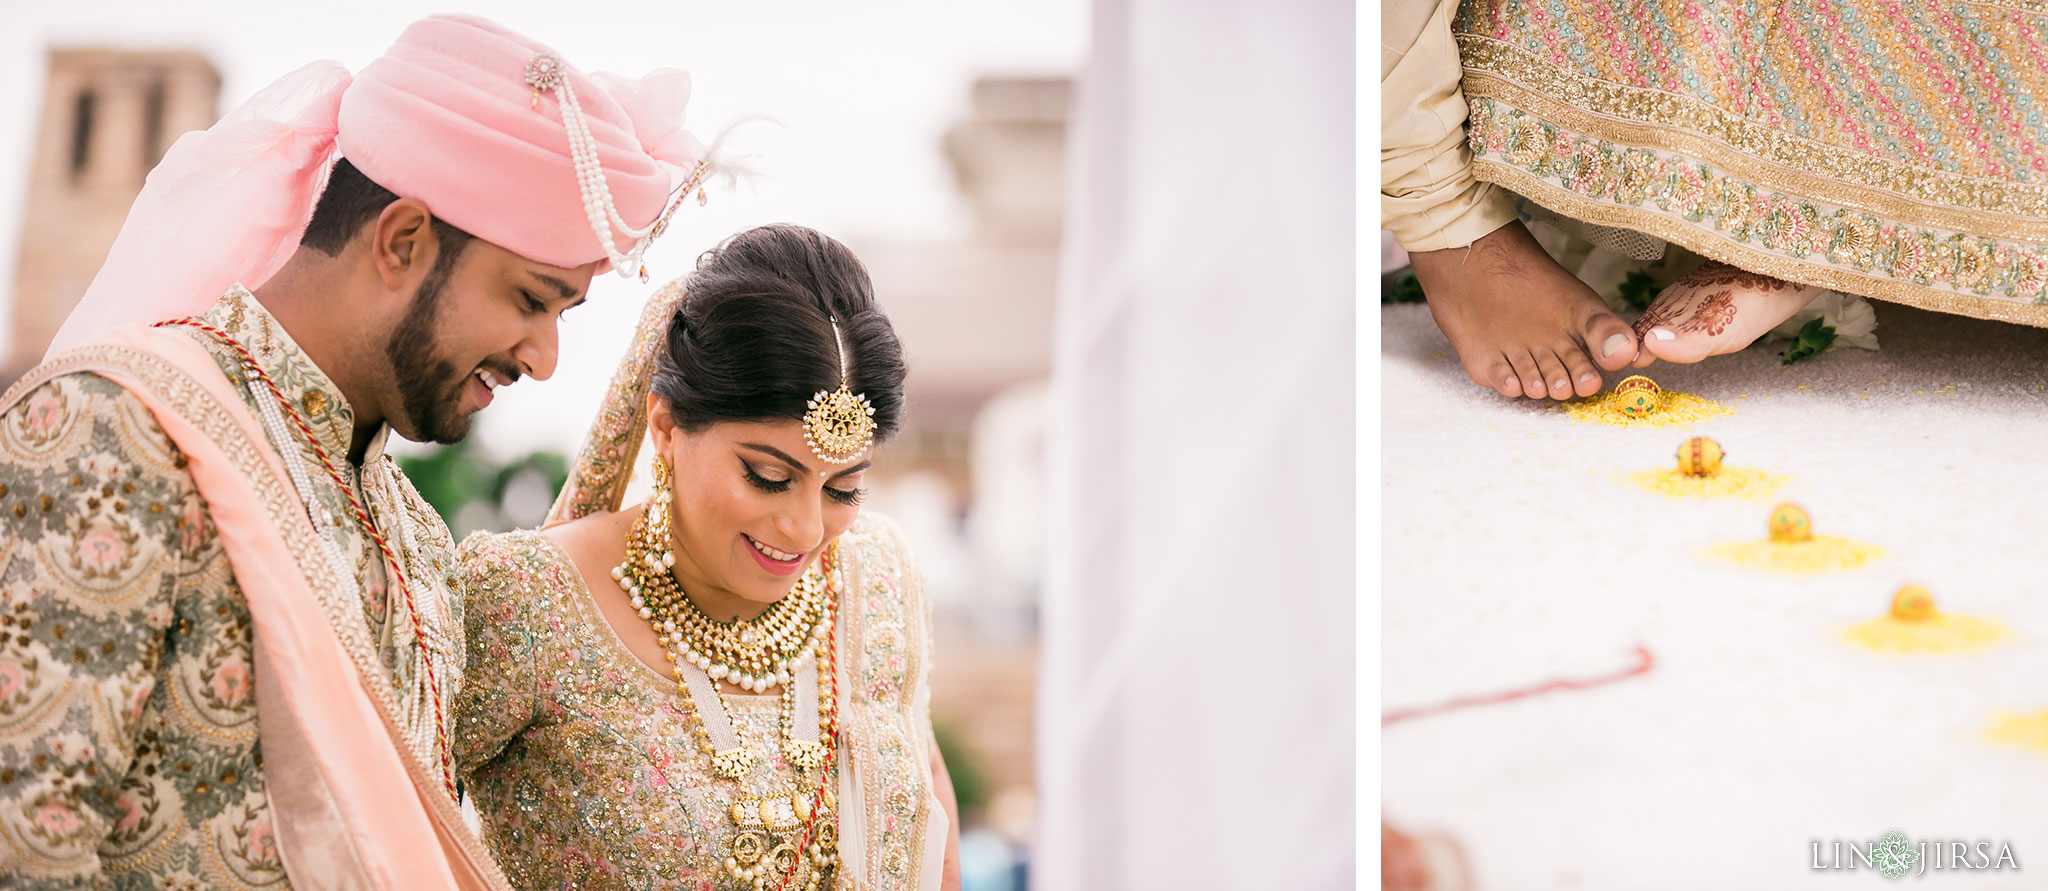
{"x":793,"y":831}
{"x":757,"y":655}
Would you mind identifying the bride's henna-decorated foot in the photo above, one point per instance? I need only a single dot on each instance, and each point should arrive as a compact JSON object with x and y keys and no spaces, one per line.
{"x":1521,"y":324}
{"x":1714,"y":310}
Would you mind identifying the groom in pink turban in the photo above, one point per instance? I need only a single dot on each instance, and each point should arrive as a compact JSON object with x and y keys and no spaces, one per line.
{"x":228,"y":642}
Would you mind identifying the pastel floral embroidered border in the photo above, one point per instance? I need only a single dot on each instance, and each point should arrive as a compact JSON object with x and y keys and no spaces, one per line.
{"x":1893,"y":150}
{"x":1699,"y":205}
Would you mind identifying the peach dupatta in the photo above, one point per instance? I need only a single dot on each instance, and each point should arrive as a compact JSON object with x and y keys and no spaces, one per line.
{"x":354,"y":808}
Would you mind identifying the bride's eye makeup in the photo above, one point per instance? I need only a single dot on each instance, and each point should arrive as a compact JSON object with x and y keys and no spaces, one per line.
{"x":763,"y":483}
{"x":850,"y":497}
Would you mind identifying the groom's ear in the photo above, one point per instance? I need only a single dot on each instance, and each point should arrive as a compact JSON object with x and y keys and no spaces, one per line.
{"x":401,"y":238}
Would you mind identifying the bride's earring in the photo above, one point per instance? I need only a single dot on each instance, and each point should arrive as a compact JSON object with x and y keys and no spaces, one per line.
{"x":658,"y":534}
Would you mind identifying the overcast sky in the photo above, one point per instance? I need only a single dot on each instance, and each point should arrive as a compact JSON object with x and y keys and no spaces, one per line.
{"x":864,"y":90}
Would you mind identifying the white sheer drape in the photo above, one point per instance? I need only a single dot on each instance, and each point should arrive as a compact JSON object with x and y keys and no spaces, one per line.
{"x":1195,"y":722}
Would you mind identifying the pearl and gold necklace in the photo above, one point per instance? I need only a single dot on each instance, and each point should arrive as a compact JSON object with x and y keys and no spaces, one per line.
{"x":789,"y":646}
{"x":757,"y":655}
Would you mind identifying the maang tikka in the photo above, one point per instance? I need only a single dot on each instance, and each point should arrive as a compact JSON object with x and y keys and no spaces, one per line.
{"x":839,"y":424}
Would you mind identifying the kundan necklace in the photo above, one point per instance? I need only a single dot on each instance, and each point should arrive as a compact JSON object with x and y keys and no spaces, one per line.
{"x":790,"y":646}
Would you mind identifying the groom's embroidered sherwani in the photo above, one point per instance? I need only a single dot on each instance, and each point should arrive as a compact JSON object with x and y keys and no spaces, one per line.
{"x":129,"y":748}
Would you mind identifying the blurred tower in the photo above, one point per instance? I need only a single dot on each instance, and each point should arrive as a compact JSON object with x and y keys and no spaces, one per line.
{"x":108,"y":116}
{"x":975,"y":315}
{"x":1009,"y":158}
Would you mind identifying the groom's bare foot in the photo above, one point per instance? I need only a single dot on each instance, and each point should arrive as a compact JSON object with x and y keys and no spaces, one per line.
{"x":1714,"y":310}
{"x":1521,"y":324}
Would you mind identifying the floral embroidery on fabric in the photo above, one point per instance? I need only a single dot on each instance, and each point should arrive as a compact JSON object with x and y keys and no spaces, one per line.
{"x":1756,"y":218}
{"x":101,"y":603}
{"x":129,"y":756}
{"x":1891,"y":150}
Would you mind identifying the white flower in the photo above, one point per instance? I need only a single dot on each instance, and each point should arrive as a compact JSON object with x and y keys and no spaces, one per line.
{"x":1585,"y":251}
{"x":1852,"y":317}
{"x":1604,"y":271}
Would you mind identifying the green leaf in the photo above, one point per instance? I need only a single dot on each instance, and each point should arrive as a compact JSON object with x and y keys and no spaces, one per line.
{"x":1811,"y":341}
{"x":970,"y":783}
{"x":452,"y":477}
{"x":1400,"y":286}
{"x":1639,"y":289}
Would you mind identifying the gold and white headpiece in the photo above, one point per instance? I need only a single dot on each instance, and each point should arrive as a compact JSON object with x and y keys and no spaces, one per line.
{"x":839,"y":424}
{"x":547,"y":73}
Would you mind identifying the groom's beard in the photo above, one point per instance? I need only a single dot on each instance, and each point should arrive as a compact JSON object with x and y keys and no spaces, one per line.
{"x":429,"y":385}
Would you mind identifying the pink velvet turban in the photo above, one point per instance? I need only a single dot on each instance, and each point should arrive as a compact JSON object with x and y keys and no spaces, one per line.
{"x":447,"y":116}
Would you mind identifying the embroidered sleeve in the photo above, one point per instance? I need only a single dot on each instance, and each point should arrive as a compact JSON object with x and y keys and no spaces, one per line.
{"x":100,"y":519}
{"x":499,"y":578}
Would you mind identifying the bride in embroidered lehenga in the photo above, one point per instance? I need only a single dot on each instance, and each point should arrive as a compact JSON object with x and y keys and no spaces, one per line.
{"x":725,"y":686}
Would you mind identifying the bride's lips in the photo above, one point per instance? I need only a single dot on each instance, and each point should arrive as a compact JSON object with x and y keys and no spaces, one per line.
{"x":779,"y":567}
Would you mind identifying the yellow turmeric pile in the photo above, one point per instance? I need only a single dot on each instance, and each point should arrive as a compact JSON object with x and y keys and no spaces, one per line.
{"x":1821,"y":553}
{"x":1727,"y":482}
{"x":1674,"y":409}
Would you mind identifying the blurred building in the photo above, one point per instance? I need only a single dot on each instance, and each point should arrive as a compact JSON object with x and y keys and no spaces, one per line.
{"x":975,"y":316}
{"x":107,"y":118}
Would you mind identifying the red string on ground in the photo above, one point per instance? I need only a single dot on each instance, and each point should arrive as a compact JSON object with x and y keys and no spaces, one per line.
{"x":1643,"y":662}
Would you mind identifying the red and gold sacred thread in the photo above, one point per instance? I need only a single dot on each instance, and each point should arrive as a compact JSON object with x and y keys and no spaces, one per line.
{"x":1644,"y":661}
{"x":362,"y":518}
{"x":828,"y":714}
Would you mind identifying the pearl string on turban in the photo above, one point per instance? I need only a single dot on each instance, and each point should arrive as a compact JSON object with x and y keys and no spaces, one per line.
{"x":447,"y":116}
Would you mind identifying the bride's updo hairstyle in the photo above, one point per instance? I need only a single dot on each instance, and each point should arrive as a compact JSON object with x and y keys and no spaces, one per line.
{"x":752,"y":339}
